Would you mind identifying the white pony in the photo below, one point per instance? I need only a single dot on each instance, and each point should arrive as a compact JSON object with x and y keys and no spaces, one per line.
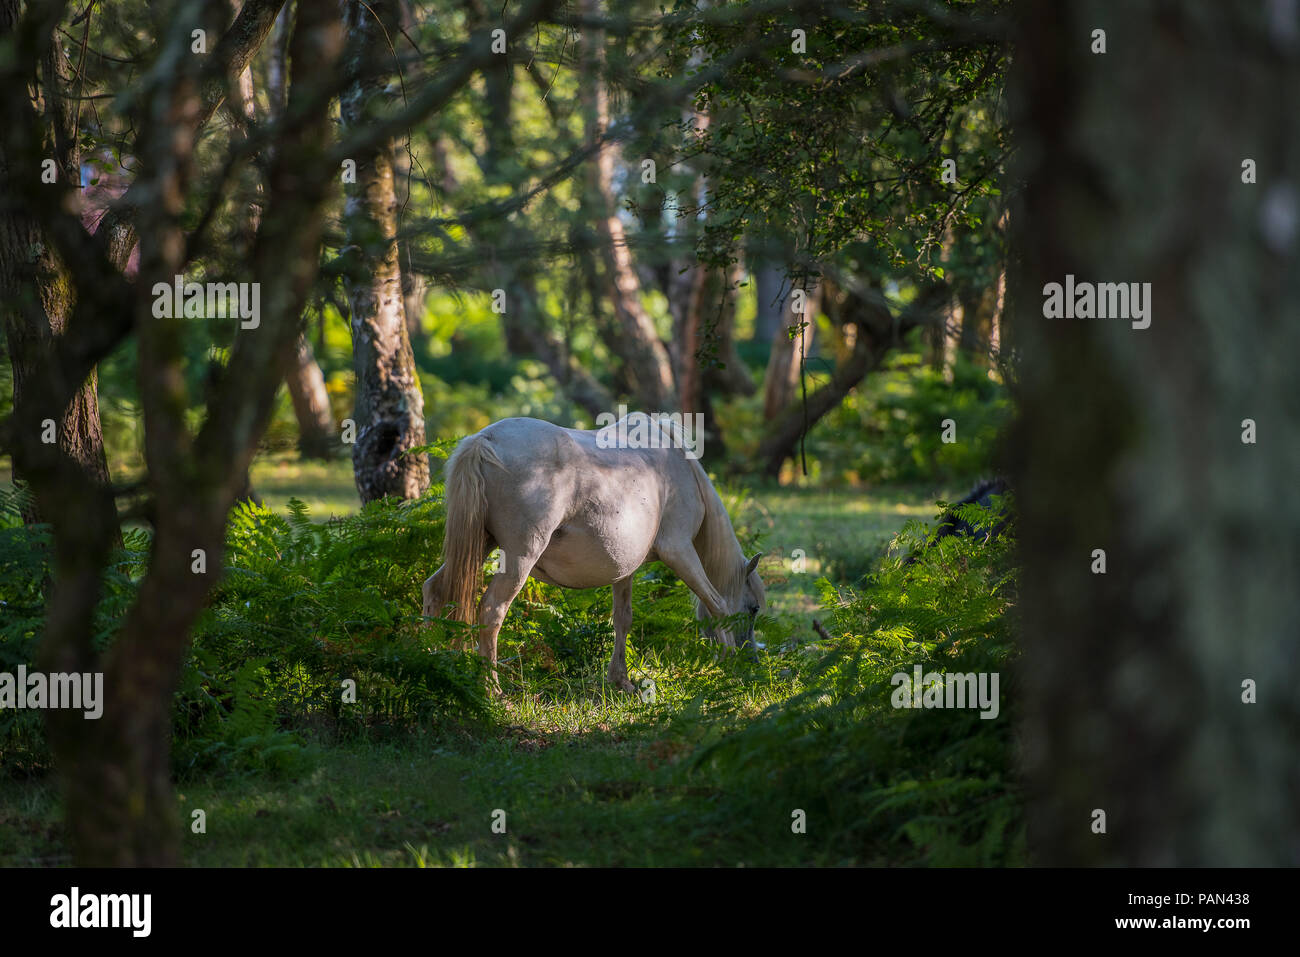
{"x":569,"y":510}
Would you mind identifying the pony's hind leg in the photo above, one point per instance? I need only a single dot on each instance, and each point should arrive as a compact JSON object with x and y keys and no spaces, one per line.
{"x":434,"y":600}
{"x":501,"y":591}
{"x":622,"y":622}
{"x":432,"y":597}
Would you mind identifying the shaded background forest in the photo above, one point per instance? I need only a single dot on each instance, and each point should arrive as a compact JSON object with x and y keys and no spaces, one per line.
{"x":678,"y":293}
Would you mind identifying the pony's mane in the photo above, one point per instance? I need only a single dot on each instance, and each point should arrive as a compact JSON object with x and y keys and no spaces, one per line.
{"x":716,"y":542}
{"x":668,"y":424}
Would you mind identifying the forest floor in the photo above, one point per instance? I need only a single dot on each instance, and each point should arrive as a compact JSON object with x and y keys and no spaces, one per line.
{"x":575,"y":774}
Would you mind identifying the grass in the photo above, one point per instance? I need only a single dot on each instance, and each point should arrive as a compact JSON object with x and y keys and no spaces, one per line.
{"x":585,"y":776}
{"x":599,"y":799}
{"x":808,"y":529}
{"x":326,"y":487}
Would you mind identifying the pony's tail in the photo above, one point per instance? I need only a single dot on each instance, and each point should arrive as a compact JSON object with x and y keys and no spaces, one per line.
{"x":466,"y":535}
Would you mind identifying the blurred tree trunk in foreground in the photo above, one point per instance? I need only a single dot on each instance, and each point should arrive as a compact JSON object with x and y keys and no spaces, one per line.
{"x":389,"y":402}
{"x":1131,"y":440}
{"x":36,"y":292}
{"x":116,"y":771}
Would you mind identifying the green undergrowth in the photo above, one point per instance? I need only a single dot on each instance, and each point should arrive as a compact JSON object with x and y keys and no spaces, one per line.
{"x":322,"y":721}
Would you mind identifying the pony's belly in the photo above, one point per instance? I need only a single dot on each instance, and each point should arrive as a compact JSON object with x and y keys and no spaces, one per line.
{"x":577,"y":558}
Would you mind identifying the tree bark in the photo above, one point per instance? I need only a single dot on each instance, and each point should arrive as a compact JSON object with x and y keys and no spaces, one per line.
{"x":36,"y":292}
{"x":317,"y":436}
{"x":979,"y":308}
{"x":769,"y":282}
{"x":726,"y":373}
{"x":709,"y":361}
{"x":389,"y":403}
{"x":785,"y":362}
{"x":1130,"y":440}
{"x":639,"y":346}
{"x":414,"y":286}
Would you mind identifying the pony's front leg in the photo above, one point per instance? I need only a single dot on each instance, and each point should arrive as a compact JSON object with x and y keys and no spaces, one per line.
{"x":686,"y":563}
{"x":622,"y":622}
{"x":501,"y":591}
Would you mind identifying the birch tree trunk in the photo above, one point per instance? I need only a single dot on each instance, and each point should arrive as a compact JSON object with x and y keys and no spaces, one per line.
{"x":389,"y":403}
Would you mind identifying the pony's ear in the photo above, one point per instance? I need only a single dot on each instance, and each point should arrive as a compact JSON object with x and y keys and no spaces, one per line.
{"x":753,"y":563}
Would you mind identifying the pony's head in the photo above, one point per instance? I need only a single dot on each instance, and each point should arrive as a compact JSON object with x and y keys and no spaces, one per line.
{"x":753,"y":602}
{"x":745,"y":600}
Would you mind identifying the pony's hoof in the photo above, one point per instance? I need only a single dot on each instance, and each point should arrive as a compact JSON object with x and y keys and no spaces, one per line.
{"x":622,"y":684}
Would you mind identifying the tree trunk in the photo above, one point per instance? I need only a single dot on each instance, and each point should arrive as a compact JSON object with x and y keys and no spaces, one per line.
{"x":643,"y":353}
{"x":36,"y":299}
{"x":414,"y":286}
{"x":726,"y":373}
{"x":935,"y":336}
{"x":709,"y":361}
{"x":116,"y":770}
{"x":389,"y":403}
{"x":317,"y":436}
{"x":978,"y":307}
{"x":37,"y":295}
{"x":785,"y":362}
{"x":689,"y":378}
{"x":1130,"y":440}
